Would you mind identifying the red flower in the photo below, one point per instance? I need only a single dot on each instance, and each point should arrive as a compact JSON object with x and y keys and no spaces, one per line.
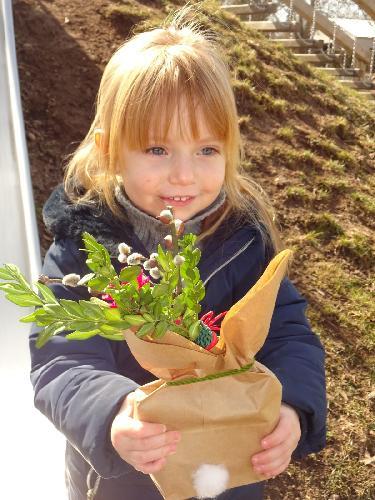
{"x":209,"y":320}
{"x":142,"y":280}
{"x":109,"y":299}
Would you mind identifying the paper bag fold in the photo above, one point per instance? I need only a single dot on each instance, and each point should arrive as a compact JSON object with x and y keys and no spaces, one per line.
{"x":222,"y":420}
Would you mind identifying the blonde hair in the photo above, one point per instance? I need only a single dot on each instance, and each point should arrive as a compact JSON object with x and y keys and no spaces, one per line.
{"x":141,"y":87}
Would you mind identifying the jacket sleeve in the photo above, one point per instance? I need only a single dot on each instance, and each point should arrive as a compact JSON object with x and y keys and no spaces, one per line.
{"x":76,"y":383}
{"x":296,"y":356}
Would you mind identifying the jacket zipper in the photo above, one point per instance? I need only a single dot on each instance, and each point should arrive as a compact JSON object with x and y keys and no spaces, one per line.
{"x":91,"y":492}
{"x":241,"y":250}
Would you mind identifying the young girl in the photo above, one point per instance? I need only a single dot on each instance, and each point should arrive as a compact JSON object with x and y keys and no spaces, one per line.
{"x":166,"y":133}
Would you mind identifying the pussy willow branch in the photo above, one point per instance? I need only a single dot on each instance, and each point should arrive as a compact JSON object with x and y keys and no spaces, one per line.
{"x":175,"y":251}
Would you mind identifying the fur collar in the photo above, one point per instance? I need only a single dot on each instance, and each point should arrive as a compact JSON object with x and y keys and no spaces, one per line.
{"x":64,"y":219}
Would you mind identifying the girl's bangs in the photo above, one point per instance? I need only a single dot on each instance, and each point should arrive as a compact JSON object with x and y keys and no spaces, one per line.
{"x":153,"y":117}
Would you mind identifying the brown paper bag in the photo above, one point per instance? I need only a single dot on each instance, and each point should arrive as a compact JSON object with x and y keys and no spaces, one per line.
{"x":222,"y":401}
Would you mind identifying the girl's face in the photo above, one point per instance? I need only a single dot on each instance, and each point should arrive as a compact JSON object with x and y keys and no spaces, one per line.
{"x":181,"y":172}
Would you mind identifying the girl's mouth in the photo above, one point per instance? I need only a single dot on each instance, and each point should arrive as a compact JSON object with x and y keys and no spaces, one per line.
{"x":178,"y":201}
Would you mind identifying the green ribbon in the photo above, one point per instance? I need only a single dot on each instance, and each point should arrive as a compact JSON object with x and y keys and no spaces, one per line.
{"x":212,"y":376}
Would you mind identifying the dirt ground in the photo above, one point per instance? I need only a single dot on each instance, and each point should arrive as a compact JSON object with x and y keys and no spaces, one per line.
{"x":62,"y":47}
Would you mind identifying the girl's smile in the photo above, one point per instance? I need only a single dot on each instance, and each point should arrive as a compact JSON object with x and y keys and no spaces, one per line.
{"x":178,"y":201}
{"x":183,"y":172}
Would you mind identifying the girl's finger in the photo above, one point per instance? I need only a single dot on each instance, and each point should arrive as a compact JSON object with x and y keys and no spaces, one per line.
{"x":277,"y":470}
{"x":157,"y":441}
{"x":269,"y":467}
{"x":277,"y":436}
{"x":280,"y":452}
{"x":144,"y":457}
{"x":151,"y":467}
{"x":135,"y":429}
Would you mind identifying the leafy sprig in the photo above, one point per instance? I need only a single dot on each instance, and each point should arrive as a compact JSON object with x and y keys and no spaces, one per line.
{"x":151,"y":307}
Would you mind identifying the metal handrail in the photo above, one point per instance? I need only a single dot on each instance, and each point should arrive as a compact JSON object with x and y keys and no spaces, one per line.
{"x":367,"y":6}
{"x":33,"y":256}
{"x":324,"y":24}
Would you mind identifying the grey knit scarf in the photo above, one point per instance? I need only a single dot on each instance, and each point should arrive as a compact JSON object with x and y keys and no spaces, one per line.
{"x":150,"y":230}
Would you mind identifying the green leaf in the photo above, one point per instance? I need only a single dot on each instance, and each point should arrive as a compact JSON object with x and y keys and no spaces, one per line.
{"x":101,"y":303}
{"x":162,"y":258}
{"x":145,"y":295}
{"x":157,"y":309}
{"x":98,"y":283}
{"x":196,"y":254}
{"x":134,"y":320}
{"x":194,"y":330}
{"x":55,"y":310}
{"x":160,"y":329}
{"x":80,"y":335}
{"x":25,"y":301}
{"x":201,"y":292}
{"x":45,"y":334}
{"x":190,"y":303}
{"x":112,"y":314}
{"x":178,"y":306}
{"x":113,"y":336}
{"x":190,"y":274}
{"x":148,"y":317}
{"x":72,"y":308}
{"x":95,"y":247}
{"x":85,"y":279}
{"x":47,"y":294}
{"x":121,"y":325}
{"x":173,"y":280}
{"x":91,"y":310}
{"x":145,"y":329}
{"x":29,"y":318}
{"x":160,"y":290}
{"x":84,"y":326}
{"x":105,"y":328}
{"x":130,"y":273}
{"x":16,"y":274}
{"x":15,"y":289}
{"x":5,"y":274}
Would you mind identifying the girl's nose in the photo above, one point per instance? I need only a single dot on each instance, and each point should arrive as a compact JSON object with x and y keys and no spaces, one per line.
{"x":182,"y":172}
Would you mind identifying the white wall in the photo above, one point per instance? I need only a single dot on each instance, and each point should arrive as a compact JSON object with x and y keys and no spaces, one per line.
{"x":31,"y":449}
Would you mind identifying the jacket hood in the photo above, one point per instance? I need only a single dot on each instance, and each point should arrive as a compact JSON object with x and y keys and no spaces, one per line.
{"x":65,"y":219}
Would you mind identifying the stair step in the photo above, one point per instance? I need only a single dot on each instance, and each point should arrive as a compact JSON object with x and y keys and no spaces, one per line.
{"x":341,"y":71}
{"x":268,"y":26}
{"x":292,"y":43}
{"x":241,"y":9}
{"x":368,"y":94}
{"x":355,"y":83}
{"x":318,"y":58}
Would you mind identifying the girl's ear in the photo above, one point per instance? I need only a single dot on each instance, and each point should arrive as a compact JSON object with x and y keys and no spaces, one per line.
{"x":101,"y":140}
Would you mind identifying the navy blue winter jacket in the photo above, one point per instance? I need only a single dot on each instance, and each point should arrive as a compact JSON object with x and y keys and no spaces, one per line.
{"x":80,"y":385}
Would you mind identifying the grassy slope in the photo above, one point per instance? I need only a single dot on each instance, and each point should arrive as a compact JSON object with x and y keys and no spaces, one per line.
{"x":310,"y":143}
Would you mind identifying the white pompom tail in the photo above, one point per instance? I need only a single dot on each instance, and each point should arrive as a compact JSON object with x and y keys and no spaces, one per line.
{"x":210,"y":480}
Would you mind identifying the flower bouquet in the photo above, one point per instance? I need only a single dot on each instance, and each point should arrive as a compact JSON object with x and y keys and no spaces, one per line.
{"x":209,"y":386}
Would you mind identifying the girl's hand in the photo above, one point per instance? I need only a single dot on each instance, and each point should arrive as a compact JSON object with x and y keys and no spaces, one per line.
{"x":143,"y":445}
{"x":279,"y":445}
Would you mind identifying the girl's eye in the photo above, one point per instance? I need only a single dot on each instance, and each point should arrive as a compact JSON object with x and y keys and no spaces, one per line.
{"x":210,"y":151}
{"x":157,"y":151}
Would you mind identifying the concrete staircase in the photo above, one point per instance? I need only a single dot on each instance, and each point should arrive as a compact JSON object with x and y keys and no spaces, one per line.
{"x":314,"y":52}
